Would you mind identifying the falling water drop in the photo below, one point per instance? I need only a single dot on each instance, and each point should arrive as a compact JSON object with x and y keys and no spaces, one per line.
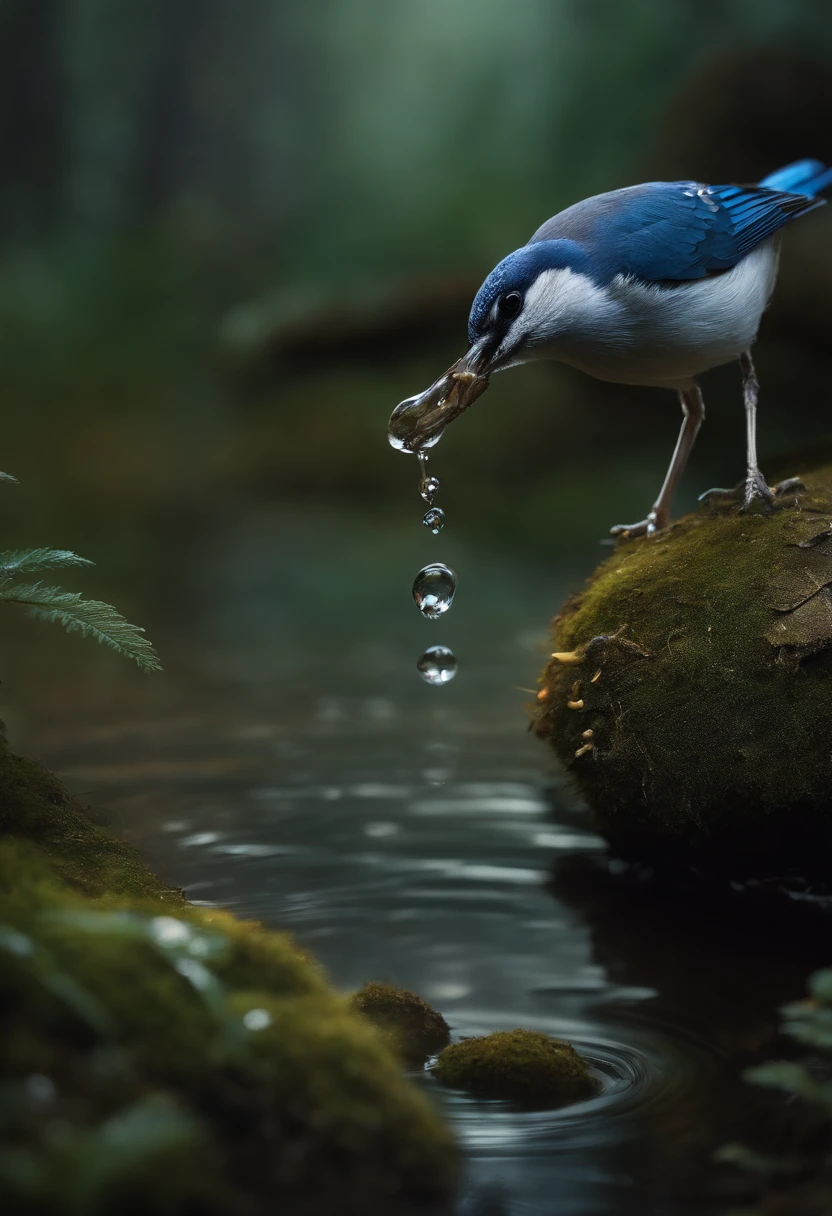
{"x":428,"y":488}
{"x":434,"y":588}
{"x":437,"y":666}
{"x":434,"y":519}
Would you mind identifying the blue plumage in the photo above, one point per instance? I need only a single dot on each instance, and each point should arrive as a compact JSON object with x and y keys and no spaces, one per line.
{"x":802,"y":177}
{"x":660,"y":232}
{"x":649,"y":285}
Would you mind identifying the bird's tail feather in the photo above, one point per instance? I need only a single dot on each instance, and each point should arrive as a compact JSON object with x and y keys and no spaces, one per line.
{"x":809,"y":177}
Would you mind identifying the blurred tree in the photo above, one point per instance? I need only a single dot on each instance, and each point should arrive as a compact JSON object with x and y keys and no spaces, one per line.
{"x":32,"y":99}
{"x":165,"y":119}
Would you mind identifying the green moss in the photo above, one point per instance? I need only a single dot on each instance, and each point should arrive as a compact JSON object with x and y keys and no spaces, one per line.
{"x":190,"y":1061}
{"x":35,"y":806}
{"x":523,"y":1065}
{"x":406,"y":1022}
{"x":692,"y":699}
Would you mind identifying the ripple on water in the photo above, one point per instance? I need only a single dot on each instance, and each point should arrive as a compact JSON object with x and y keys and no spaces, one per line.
{"x":449,"y":891}
{"x":638,"y":1074}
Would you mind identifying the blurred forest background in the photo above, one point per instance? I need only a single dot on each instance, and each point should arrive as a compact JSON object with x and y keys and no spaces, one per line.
{"x":233,"y":236}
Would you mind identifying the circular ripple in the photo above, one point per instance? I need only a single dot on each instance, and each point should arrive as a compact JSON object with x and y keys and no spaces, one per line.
{"x":645,"y":1073}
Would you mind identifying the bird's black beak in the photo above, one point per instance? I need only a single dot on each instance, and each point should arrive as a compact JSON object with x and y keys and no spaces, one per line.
{"x":418,"y":422}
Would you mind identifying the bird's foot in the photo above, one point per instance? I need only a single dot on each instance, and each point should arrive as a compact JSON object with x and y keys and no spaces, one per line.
{"x":757,"y":490}
{"x":655,"y":522}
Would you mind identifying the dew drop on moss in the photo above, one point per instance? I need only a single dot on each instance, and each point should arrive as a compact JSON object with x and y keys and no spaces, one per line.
{"x":437,"y":665}
{"x":433,"y":590}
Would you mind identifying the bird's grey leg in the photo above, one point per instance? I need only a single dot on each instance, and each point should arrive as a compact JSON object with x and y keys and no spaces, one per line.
{"x":756,"y":486}
{"x":693,"y":411}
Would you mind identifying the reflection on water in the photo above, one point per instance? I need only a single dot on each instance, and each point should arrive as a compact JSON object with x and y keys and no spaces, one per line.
{"x":290,"y":767}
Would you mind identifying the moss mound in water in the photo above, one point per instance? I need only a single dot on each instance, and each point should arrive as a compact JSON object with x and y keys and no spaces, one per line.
{"x":690,"y":692}
{"x":406,"y":1022}
{"x":522,"y":1065}
{"x":157,"y":1057}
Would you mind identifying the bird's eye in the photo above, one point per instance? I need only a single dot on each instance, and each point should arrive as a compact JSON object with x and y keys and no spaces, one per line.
{"x":509,"y":305}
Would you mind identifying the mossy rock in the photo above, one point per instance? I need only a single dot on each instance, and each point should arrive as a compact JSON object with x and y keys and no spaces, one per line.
{"x":521,"y":1065}
{"x":35,"y":807}
{"x":407,"y":1023}
{"x":690,"y":692}
{"x":157,"y":1057}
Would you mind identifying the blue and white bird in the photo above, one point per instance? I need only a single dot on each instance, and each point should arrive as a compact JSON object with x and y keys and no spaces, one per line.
{"x":647,"y":285}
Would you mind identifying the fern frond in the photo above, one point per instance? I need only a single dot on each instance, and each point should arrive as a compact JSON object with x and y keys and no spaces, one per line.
{"x":18,"y":561}
{"x":90,"y":618}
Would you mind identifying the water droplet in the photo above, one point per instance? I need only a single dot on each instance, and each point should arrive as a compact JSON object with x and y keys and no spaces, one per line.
{"x":435,"y":520}
{"x":437,"y":665}
{"x":434,"y":588}
{"x":403,"y":423}
{"x":428,"y":488}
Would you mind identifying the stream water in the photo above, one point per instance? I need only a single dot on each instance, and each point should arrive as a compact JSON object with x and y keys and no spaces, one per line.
{"x":291,"y":766}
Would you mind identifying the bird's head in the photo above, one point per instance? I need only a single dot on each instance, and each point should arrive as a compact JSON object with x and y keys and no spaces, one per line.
{"x":517,"y":314}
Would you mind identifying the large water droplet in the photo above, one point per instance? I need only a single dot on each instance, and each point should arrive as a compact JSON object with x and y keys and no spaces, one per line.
{"x":433,"y":590}
{"x":403,"y":423}
{"x":437,"y":665}
{"x":429,"y":488}
{"x":434,"y":519}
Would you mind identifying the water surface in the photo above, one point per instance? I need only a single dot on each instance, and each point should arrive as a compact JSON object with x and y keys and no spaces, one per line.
{"x":292,"y":766}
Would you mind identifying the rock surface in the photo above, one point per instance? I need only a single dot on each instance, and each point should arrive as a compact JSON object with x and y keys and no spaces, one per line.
{"x":407,"y":1023}
{"x":690,"y":689}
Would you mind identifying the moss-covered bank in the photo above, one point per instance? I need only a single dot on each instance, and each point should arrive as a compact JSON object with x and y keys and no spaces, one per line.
{"x":690,"y":692}
{"x":157,"y":1057}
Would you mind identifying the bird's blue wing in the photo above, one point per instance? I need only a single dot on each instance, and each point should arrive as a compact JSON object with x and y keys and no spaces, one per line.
{"x":673,"y":231}
{"x":757,"y":211}
{"x":688,"y":231}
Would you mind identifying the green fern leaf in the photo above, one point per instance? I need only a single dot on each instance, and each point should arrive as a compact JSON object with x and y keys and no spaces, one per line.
{"x":18,"y":561}
{"x":90,"y":618}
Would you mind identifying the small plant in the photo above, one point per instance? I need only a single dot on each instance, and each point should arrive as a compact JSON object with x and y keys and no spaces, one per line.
{"x":91,"y":618}
{"x":799,"y":1178}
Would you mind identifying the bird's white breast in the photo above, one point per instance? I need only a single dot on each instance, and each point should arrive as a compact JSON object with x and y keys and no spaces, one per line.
{"x":637,"y":333}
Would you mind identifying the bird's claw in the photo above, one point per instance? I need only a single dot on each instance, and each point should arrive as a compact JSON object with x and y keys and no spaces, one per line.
{"x":791,"y":485}
{"x":721,"y":492}
{"x":655,"y":522}
{"x":757,"y":490}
